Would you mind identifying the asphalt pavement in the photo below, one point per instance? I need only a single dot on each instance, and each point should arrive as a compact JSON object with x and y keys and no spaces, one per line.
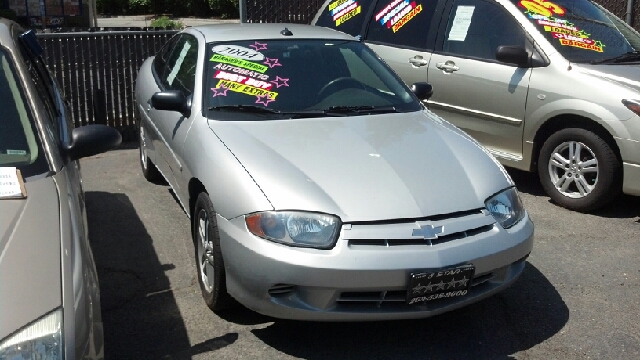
{"x":578,"y":297}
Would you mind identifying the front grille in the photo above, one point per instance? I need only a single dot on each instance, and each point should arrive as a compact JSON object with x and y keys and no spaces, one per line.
{"x":417,"y":241}
{"x":396,"y":298}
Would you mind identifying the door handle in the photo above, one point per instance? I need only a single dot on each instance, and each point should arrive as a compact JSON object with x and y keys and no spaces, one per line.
{"x":418,"y":61}
{"x":448,"y":66}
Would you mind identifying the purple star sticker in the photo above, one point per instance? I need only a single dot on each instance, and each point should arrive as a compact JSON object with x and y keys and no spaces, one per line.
{"x":221,"y":91}
{"x":272,"y":62}
{"x":264,"y":99}
{"x":280,"y":82}
{"x":258,"y":46}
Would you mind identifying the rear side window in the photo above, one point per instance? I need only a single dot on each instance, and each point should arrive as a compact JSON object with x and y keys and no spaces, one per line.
{"x":344,"y":15}
{"x":402,"y":22}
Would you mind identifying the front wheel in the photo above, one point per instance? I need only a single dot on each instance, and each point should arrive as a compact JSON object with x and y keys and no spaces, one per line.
{"x":209,"y":261}
{"x":579,"y":170}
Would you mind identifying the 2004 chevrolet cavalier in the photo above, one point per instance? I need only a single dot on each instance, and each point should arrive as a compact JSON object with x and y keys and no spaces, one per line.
{"x":317,"y":184}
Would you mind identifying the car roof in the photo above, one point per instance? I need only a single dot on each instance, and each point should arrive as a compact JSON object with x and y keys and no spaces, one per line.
{"x":263,"y":31}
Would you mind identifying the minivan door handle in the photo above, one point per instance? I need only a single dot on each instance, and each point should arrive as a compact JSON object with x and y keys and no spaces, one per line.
{"x":448,"y":66}
{"x":418,"y":61}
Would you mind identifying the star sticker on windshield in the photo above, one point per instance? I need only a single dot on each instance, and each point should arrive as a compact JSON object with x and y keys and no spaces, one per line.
{"x":280,"y":82}
{"x":272,"y":62}
{"x":440,"y":285}
{"x":264,"y":99}
{"x":599,"y":43}
{"x":221,"y":91}
{"x":259,"y":46}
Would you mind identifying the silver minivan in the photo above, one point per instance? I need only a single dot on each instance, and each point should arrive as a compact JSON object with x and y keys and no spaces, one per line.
{"x":49,"y":293}
{"x":552,"y":87}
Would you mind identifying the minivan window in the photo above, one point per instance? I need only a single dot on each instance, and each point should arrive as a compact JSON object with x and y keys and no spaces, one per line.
{"x":578,"y":29}
{"x":345,"y":15}
{"x":402,"y":22}
{"x":477,"y":27}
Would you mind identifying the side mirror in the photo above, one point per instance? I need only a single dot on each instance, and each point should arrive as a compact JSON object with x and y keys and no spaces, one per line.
{"x":91,"y":140}
{"x":422,"y":90}
{"x":171,"y":100}
{"x":516,"y":55}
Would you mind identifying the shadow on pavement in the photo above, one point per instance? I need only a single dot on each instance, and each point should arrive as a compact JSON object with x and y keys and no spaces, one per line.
{"x":522,"y":316}
{"x":140,"y":315}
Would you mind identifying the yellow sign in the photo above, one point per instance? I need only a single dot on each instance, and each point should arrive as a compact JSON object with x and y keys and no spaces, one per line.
{"x":246,"y":89}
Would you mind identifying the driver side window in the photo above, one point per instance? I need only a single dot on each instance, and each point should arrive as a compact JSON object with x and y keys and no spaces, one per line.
{"x":477,"y":27}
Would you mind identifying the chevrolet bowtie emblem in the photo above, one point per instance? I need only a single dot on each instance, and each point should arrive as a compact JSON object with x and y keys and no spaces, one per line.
{"x":428,"y":232}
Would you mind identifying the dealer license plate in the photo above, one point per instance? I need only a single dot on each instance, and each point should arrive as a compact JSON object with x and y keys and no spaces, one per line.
{"x":441,"y":284}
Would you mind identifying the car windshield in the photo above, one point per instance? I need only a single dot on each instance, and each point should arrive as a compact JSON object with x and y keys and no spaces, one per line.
{"x":19,"y":144}
{"x":272,"y":79}
{"x":581,"y":30}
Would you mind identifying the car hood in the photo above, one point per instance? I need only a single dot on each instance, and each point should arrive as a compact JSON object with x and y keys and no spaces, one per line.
{"x":365,"y":168}
{"x":621,"y":74}
{"x":30,"y":280}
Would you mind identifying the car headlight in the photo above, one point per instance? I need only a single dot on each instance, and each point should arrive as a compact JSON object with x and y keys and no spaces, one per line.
{"x":295,"y":228}
{"x":40,"y":340}
{"x":506,"y":207}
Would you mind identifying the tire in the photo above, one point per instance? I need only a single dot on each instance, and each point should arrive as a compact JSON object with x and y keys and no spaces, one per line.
{"x":209,"y":262}
{"x":149,"y":169}
{"x":586,"y":182}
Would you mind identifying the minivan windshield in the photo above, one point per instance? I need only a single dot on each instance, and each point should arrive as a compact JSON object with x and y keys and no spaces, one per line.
{"x":19,"y":144}
{"x":582,"y":31}
{"x":300,"y":78}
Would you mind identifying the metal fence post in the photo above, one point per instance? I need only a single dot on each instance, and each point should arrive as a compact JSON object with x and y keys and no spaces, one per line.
{"x":630,"y":12}
{"x":243,"y":10}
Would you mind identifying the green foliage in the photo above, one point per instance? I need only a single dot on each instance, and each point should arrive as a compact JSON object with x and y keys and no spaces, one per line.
{"x":8,"y":14}
{"x":165,"y":22}
{"x":226,"y":9}
{"x":140,"y":6}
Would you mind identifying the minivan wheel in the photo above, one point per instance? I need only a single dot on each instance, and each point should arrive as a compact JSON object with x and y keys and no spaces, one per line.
{"x":209,"y":261}
{"x":149,"y":170}
{"x":579,"y":170}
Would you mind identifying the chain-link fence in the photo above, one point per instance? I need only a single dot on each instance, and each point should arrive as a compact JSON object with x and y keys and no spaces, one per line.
{"x":290,"y":11}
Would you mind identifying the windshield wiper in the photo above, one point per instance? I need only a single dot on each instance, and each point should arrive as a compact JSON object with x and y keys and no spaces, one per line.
{"x":361,"y":109}
{"x":246,"y":108}
{"x":626,"y":57}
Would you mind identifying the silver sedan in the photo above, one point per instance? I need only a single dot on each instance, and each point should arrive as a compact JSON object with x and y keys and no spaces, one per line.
{"x":318,"y":185}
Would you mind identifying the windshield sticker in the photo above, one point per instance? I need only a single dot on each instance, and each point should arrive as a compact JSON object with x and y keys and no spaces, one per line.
{"x":343,"y":10}
{"x":245,"y":89}
{"x":461,"y":22}
{"x":221,"y":91}
{"x":264,"y":99}
{"x":240,"y":79}
{"x":398,"y":13}
{"x":542,"y":7}
{"x":258,"y":46}
{"x":280,"y":82}
{"x":272,"y":62}
{"x":238,"y":52}
{"x":241,"y":71}
{"x":567,"y":33}
{"x":239,"y":62}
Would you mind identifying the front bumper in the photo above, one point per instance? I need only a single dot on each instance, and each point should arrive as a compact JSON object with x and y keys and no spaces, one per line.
{"x":356,"y":283}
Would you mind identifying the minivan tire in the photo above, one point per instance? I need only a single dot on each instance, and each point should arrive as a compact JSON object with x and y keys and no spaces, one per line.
{"x":208,"y":255}
{"x":591,"y":180}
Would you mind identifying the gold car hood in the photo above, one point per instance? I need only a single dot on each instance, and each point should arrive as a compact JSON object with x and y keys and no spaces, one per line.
{"x":30,"y":281}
